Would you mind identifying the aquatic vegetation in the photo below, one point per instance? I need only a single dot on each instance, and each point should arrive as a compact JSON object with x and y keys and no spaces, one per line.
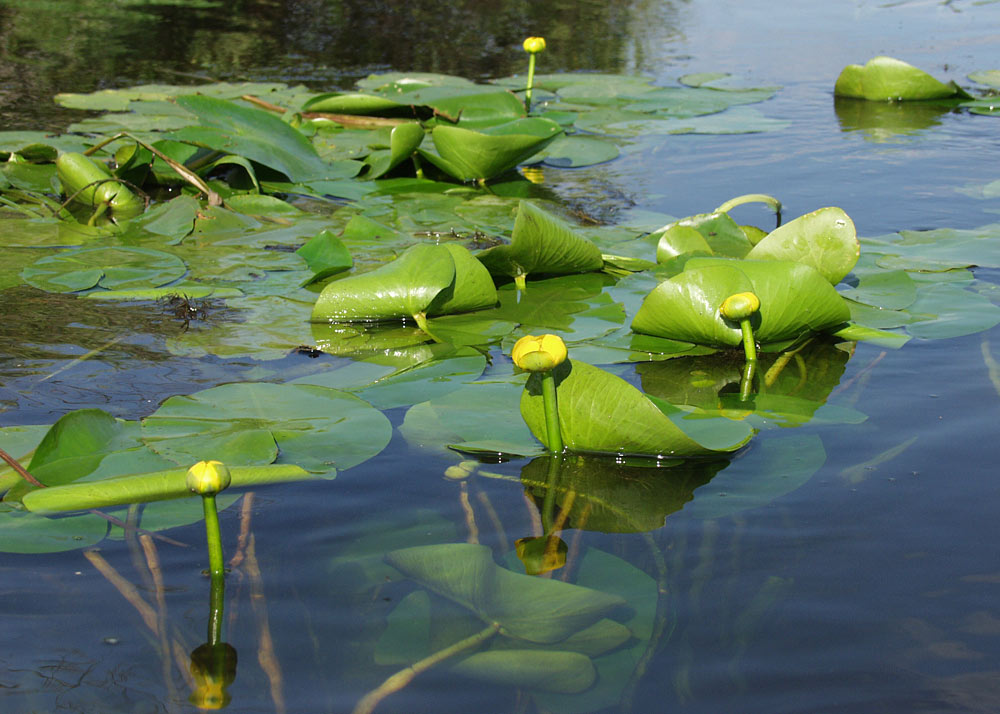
{"x":886,"y":79}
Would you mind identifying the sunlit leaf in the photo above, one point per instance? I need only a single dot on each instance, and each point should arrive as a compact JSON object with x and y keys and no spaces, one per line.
{"x":888,"y":79}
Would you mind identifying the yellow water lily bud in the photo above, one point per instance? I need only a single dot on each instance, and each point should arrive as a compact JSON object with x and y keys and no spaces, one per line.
{"x":740,"y":306}
{"x":539,"y":354}
{"x":208,"y":477}
{"x":534,"y":45}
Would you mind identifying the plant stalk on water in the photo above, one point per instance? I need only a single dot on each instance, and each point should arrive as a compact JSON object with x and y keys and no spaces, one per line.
{"x":207,"y":478}
{"x":740,"y":308}
{"x":532,"y":45}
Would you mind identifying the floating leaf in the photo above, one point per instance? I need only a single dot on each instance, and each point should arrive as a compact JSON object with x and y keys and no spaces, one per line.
{"x":470,"y":155}
{"x":403,"y":141}
{"x":541,"y":243}
{"x":795,"y":299}
{"x":326,"y":255}
{"x":249,"y":423}
{"x":425,"y":279}
{"x":825,"y":239}
{"x":888,"y":79}
{"x":111,"y":268}
{"x":602,"y":413}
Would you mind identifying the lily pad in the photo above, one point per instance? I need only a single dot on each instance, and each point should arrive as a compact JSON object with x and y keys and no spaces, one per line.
{"x":255,"y":423}
{"x":602,"y":413}
{"x":469,"y":155}
{"x":884,"y":79}
{"x":111,"y":268}
{"x":425,"y":280}
{"x":795,"y":299}
{"x":824,"y":239}
{"x":524,"y":607}
{"x":541,"y":243}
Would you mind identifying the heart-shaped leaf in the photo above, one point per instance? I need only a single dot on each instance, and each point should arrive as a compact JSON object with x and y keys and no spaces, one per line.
{"x":602,"y":413}
{"x":541,"y":243}
{"x":525,"y":607}
{"x":426,"y":279}
{"x":795,"y":299}
{"x":825,"y":239}
{"x":469,"y":155}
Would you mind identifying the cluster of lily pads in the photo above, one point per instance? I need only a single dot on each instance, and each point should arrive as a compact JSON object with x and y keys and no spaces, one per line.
{"x":387,"y":228}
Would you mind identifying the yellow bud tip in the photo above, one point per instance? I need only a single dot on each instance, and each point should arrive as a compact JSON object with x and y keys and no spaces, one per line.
{"x":207,"y":478}
{"x":539,"y":354}
{"x":534,"y":45}
{"x":740,"y":306}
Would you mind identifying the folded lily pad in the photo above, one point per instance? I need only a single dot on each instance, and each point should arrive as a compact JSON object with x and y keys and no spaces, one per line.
{"x":602,"y":413}
{"x":542,"y":244}
{"x":795,"y":299}
{"x":825,"y":239}
{"x":888,"y":79}
{"x":425,"y":280}
{"x":469,"y":155}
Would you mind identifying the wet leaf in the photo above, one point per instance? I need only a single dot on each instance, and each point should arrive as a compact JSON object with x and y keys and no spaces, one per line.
{"x":824,"y":239}
{"x":888,"y":79}
{"x":602,"y":413}
{"x":249,"y":423}
{"x":111,"y":268}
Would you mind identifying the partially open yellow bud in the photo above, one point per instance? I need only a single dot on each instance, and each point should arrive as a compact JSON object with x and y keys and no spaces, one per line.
{"x":740,"y":306}
{"x":539,"y":354}
{"x":208,"y":477}
{"x":534,"y":45}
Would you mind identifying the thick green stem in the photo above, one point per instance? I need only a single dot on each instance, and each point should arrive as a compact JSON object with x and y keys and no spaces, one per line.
{"x":216,"y":605}
{"x":403,"y":677}
{"x":552,"y":431}
{"x":531,"y":82}
{"x":749,"y":346}
{"x":215,"y":560}
{"x":746,"y":381}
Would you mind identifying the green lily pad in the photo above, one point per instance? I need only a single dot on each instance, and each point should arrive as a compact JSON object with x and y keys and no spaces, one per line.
{"x":795,"y":299}
{"x":602,"y":413}
{"x":541,"y":243}
{"x":254,"y":423}
{"x":29,"y":533}
{"x":255,"y":134}
{"x":111,"y":268}
{"x":425,"y":279}
{"x":326,"y":255}
{"x":888,"y":79}
{"x":824,"y":239}
{"x":533,"y":670}
{"x":469,"y":155}
{"x":524,"y":607}
{"x":571,"y":152}
{"x":403,"y":141}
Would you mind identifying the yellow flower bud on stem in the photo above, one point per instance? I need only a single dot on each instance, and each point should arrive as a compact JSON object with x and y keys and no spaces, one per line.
{"x":740,"y":308}
{"x":207,"y":478}
{"x":532,"y":45}
{"x":542,"y":355}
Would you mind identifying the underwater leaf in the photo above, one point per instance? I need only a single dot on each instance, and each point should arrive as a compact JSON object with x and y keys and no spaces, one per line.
{"x":825,"y":239}
{"x":251,"y":423}
{"x":525,"y":607}
{"x":426,"y":278}
{"x":795,"y":299}
{"x":541,"y":243}
{"x":534,"y":670}
{"x":111,"y":268}
{"x":888,"y":79}
{"x":469,"y":155}
{"x":602,"y":413}
{"x":23,"y":532}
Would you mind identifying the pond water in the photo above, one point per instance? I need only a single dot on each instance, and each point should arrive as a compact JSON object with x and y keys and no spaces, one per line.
{"x":866,"y":584}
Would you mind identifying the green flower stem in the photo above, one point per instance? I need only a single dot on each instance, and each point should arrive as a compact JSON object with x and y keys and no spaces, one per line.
{"x":749,"y":346}
{"x":750,"y":350}
{"x":770,"y":201}
{"x":746,"y":381}
{"x":531,"y":82}
{"x":403,"y":677}
{"x":215,"y":558}
{"x":551,"y":485}
{"x":216,"y":603}
{"x":552,"y":431}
